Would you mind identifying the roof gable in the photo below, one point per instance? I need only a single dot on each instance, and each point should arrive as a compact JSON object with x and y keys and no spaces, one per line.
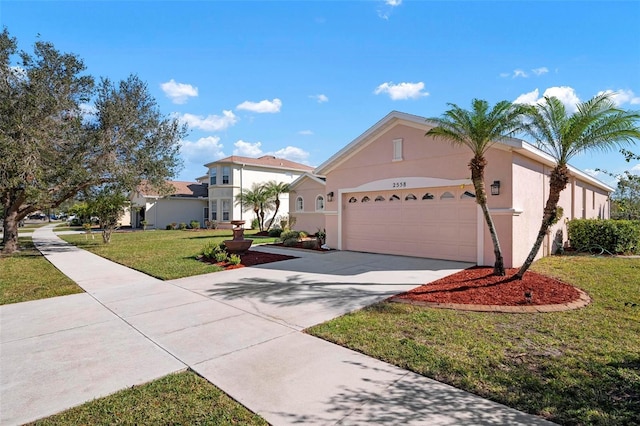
{"x":181,"y":189}
{"x":308,"y":176}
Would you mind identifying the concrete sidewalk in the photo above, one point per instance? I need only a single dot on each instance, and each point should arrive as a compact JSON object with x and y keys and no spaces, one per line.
{"x":240,"y":329}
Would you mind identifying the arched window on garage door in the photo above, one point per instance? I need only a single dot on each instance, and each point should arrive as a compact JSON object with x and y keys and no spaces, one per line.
{"x":366,"y":199}
{"x":410,"y":197}
{"x":447,"y":196}
{"x":353,"y":200}
{"x":428,"y":196}
{"x":379,"y":198}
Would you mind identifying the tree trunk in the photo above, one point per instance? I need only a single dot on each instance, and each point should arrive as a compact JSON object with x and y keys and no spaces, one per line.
{"x":274,"y":214}
{"x":477,"y":166}
{"x":558,"y":181}
{"x":10,"y":235}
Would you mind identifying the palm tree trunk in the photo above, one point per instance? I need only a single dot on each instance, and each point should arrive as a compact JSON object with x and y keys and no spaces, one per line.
{"x":477,"y":166}
{"x":558,"y":181}
{"x":277,"y":202}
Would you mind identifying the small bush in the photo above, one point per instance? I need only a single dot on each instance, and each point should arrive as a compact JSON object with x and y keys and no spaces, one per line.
{"x":169,"y":227}
{"x":275,"y":232}
{"x":234,"y":259}
{"x":290,"y":242}
{"x":288,"y":235}
{"x":210,"y":249}
{"x":615,"y":236}
{"x":220,"y":256}
{"x":255,"y":223}
{"x":174,"y":225}
{"x":182,"y":226}
{"x":194,"y":224}
{"x":310,"y":244}
{"x":303,"y":234}
{"x":211,"y":224}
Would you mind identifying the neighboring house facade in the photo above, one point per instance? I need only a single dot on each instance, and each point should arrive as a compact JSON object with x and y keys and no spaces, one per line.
{"x":187,"y":202}
{"x":394,"y":191}
{"x":229,"y":176}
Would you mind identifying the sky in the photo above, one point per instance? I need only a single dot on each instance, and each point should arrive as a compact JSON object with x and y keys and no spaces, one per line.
{"x":302,"y":79}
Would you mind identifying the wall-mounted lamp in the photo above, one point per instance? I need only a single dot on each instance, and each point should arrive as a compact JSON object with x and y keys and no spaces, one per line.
{"x":330,"y":196}
{"x":495,"y":187}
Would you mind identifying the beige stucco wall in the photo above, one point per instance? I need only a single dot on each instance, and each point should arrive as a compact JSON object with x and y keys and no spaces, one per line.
{"x":163,"y":211}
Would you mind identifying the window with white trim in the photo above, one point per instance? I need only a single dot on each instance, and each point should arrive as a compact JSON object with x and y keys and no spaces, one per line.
{"x":205,"y":215}
{"x":212,"y":176}
{"x":299,"y":204}
{"x":225,"y":210}
{"x":226,"y":175}
{"x":397,"y":150}
{"x":214,"y":210}
{"x":319,"y":203}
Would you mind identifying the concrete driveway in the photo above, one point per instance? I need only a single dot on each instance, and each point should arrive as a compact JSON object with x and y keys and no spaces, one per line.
{"x":240,"y":329}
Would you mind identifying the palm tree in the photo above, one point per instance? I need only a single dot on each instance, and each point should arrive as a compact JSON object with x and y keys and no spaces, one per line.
{"x":250,"y":199}
{"x":274,"y":189}
{"x":596,"y":125}
{"x":478,"y":130}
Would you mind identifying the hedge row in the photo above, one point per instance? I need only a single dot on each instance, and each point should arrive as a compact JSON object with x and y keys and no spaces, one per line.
{"x":615,"y":236}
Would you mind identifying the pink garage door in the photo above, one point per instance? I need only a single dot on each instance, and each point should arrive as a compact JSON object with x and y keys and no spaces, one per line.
{"x":438,"y":223}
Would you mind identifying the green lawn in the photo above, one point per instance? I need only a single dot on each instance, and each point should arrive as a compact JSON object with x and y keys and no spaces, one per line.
{"x":27,"y":275}
{"x":574,"y":367}
{"x":162,"y":254}
{"x":178,"y":399}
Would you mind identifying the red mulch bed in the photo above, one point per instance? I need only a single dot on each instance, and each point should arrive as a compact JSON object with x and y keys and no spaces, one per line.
{"x":250,"y":258}
{"x":298,"y":245}
{"x":477,"y":286}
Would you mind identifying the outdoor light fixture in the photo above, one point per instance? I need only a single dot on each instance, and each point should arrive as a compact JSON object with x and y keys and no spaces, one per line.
{"x":495,"y":187}
{"x":330,"y":196}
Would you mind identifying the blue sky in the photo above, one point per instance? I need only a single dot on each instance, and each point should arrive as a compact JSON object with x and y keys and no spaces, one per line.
{"x":301,"y":79}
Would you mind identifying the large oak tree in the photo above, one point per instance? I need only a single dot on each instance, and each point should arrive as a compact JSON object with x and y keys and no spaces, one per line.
{"x":60,"y":133}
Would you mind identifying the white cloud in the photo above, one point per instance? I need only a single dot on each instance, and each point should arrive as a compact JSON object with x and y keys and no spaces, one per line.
{"x":385,"y":10}
{"x":247,"y":149}
{"x":540,"y":71}
{"x":621,"y":97}
{"x":305,"y":132}
{"x":210,"y":123}
{"x":593,"y":173}
{"x":202,"y":150}
{"x":179,"y":93}
{"x":264,"y":106}
{"x":635,"y":169}
{"x":505,"y":74}
{"x":402,"y":90}
{"x":320,"y":98}
{"x":519,"y":73}
{"x":528,"y":98}
{"x":293,"y":153}
{"x":566,"y":95}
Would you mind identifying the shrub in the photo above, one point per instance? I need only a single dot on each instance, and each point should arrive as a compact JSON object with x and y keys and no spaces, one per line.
{"x":303,"y":234}
{"x":234,"y":259}
{"x":220,"y":256}
{"x":169,"y":227}
{"x":194,"y":224}
{"x":275,"y":232}
{"x":290,"y":242}
{"x":210,"y":249}
{"x":182,"y":226}
{"x":615,"y":236}
{"x":211,"y":224}
{"x":288,"y":235}
{"x":255,"y":223}
{"x":310,"y":244}
{"x":174,"y":225}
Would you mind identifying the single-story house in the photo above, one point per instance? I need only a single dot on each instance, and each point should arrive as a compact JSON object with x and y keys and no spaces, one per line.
{"x":394,"y":191}
{"x":187,"y":202}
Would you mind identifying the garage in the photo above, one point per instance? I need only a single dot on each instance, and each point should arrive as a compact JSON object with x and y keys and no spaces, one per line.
{"x":438,"y":223}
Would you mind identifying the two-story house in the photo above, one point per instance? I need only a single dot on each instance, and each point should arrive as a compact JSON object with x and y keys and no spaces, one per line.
{"x":229,"y":176}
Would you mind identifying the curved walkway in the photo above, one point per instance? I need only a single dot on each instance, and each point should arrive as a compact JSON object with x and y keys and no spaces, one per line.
{"x":240,"y":329}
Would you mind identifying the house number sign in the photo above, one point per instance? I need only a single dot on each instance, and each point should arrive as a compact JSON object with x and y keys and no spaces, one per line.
{"x":399,"y":184}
